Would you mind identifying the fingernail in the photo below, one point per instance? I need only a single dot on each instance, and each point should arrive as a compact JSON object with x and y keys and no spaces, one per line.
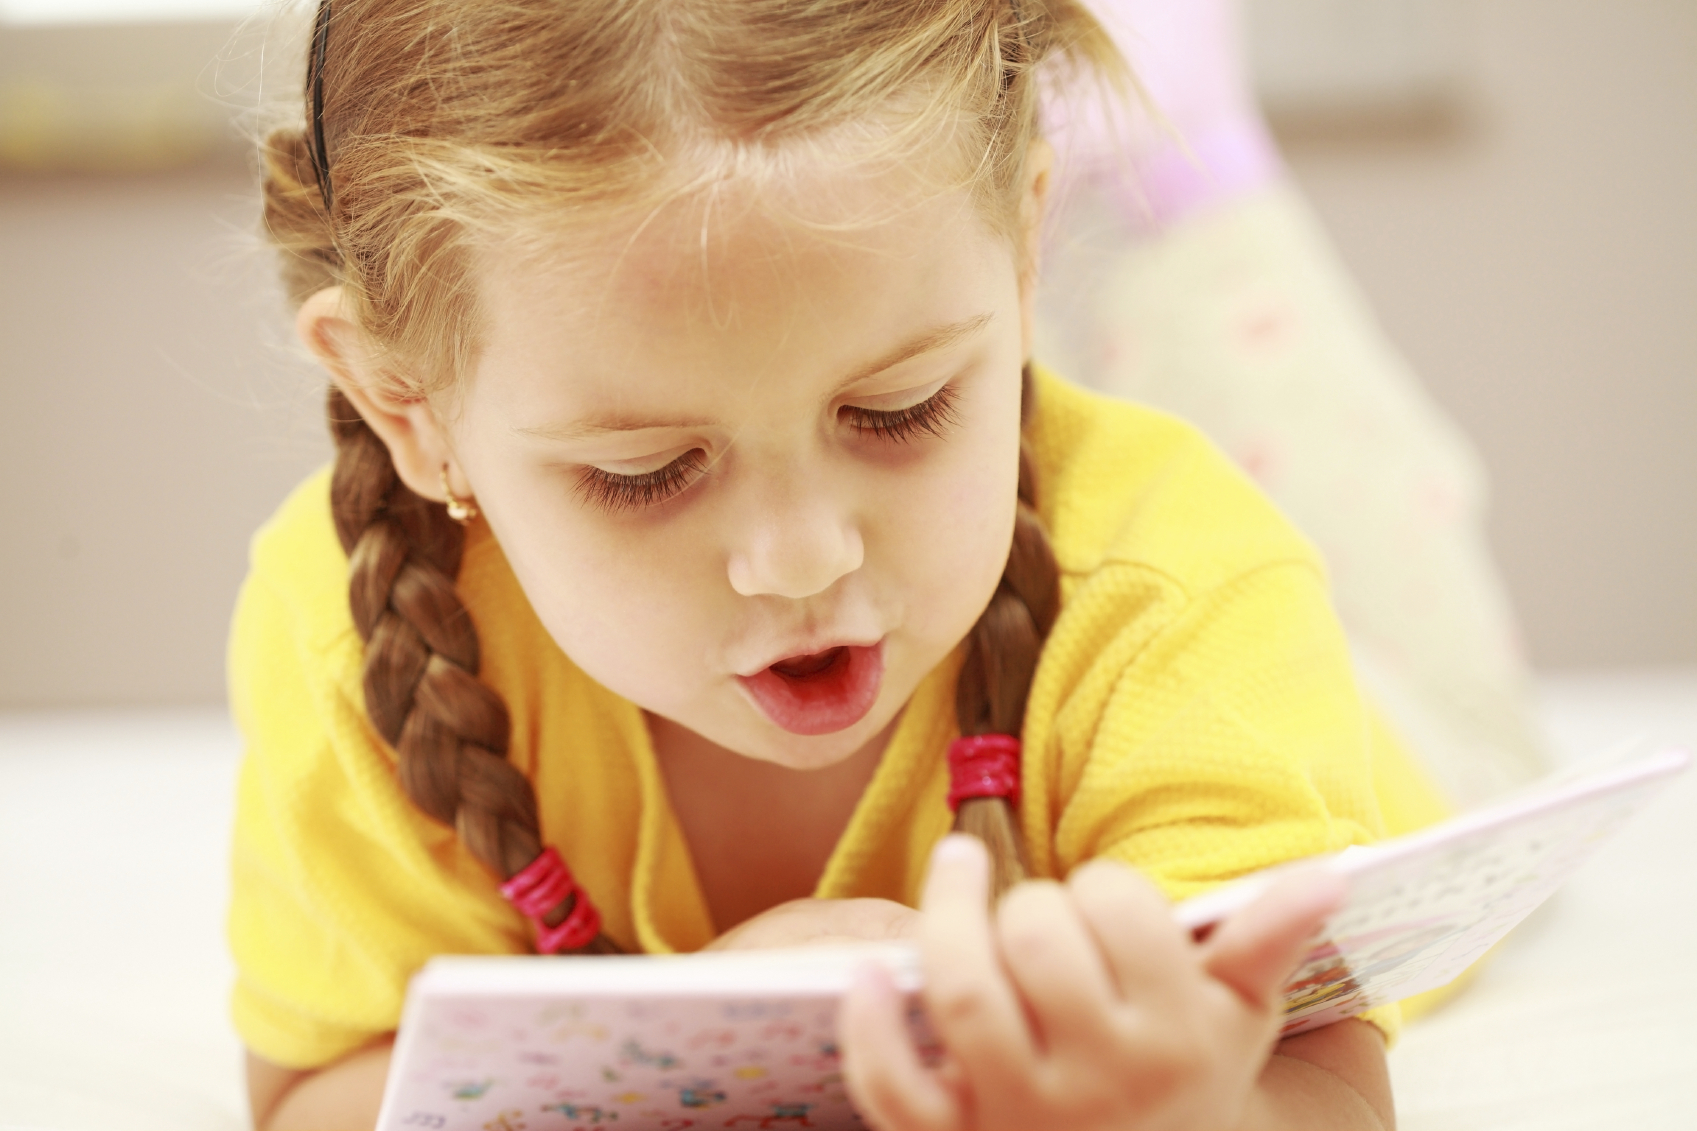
{"x":959,"y":849}
{"x":869,"y":980}
{"x":1322,"y":892}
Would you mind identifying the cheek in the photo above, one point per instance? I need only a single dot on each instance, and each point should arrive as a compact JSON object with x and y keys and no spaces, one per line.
{"x":951,"y":535}
{"x":635,"y":609}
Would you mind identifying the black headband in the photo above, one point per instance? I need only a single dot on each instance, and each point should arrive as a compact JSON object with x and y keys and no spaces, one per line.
{"x":315,"y":98}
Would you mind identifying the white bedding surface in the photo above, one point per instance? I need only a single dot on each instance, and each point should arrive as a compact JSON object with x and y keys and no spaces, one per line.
{"x":1584,"y":1019}
{"x":113,"y":972}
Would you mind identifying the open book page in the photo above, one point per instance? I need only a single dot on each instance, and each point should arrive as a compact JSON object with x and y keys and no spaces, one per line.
{"x":749,"y":1039}
{"x":1424,"y":907}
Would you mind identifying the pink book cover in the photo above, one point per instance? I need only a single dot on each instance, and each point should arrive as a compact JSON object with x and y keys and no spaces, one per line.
{"x":748,"y":1039}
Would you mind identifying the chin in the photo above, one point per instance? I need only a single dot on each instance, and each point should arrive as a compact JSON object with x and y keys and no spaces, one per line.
{"x":814,"y":752}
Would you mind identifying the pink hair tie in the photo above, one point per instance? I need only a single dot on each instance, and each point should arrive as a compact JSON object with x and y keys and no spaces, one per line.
{"x":983,"y":765}
{"x":541,"y":886}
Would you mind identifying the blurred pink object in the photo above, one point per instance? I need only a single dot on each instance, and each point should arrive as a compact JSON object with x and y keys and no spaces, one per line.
{"x":1204,"y":144}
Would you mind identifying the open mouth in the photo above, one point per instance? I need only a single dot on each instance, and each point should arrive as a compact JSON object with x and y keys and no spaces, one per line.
{"x":819,"y":693}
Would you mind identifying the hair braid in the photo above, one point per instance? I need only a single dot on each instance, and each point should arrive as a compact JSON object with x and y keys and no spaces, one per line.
{"x":1001,"y":658}
{"x":449,"y":729}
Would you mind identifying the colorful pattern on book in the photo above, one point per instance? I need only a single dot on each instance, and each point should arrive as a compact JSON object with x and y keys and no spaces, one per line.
{"x":623,"y":1065}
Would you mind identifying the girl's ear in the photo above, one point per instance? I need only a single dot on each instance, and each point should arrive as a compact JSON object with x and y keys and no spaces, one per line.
{"x":417,"y":442}
{"x":1039,"y":165}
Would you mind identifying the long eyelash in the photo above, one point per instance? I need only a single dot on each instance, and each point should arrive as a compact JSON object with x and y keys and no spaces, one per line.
{"x":930,"y":417}
{"x":613,"y":492}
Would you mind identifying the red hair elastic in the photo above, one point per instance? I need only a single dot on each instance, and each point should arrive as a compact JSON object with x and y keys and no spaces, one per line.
{"x":983,"y":765}
{"x":539,"y":888}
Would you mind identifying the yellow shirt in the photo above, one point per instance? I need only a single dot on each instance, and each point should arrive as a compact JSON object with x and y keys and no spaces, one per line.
{"x":1193,"y":714}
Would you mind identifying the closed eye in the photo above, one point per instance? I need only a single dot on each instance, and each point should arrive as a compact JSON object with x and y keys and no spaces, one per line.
{"x":932,"y":416}
{"x":612,"y":492}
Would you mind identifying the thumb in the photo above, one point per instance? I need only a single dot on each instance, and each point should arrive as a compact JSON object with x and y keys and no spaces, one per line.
{"x":1255,"y":950}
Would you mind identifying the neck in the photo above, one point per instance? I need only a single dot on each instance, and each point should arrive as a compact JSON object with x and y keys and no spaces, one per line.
{"x":759,"y":833}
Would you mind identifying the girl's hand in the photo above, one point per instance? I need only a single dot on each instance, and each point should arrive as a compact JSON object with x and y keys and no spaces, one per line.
{"x":1081,"y":1006}
{"x":814,"y":922}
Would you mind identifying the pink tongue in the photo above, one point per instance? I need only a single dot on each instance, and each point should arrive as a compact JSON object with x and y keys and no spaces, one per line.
{"x":819,"y":694}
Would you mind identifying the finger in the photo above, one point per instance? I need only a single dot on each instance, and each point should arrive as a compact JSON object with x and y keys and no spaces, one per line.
{"x":1132,"y":922}
{"x":886,"y":1079}
{"x":1052,"y":957}
{"x":971,"y":1005}
{"x":1255,"y":951}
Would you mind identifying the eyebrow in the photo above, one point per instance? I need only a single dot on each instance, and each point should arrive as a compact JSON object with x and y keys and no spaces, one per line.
{"x":934,"y":339}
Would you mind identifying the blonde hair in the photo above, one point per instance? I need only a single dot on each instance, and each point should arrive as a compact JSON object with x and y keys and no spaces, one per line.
{"x":444,"y":121}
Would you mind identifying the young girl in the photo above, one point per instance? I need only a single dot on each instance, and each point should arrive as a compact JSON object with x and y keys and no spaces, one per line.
{"x":694,"y":496}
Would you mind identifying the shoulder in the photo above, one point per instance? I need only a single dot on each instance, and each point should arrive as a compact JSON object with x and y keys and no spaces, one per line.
{"x":330,"y":860}
{"x":1194,"y":711}
{"x":296,"y":561}
{"x":1121,"y":484}
{"x":295,"y":662}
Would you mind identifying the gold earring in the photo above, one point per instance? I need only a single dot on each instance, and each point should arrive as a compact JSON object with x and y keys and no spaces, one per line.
{"x":460,"y":510}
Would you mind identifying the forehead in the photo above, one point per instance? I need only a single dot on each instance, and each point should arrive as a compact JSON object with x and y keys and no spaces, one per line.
{"x":776,"y":216}
{"x":743,"y":273}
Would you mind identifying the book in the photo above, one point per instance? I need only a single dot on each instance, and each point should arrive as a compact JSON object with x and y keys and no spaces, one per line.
{"x":747,"y":1039}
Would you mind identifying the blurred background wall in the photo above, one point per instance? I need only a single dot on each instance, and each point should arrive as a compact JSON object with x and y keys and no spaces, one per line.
{"x":1531,"y":245}
{"x":1513,"y":181}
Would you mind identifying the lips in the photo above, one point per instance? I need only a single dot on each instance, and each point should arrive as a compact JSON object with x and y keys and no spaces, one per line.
{"x":819,"y":693}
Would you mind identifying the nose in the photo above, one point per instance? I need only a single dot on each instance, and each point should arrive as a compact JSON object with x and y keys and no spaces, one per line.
{"x":795,"y":547}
